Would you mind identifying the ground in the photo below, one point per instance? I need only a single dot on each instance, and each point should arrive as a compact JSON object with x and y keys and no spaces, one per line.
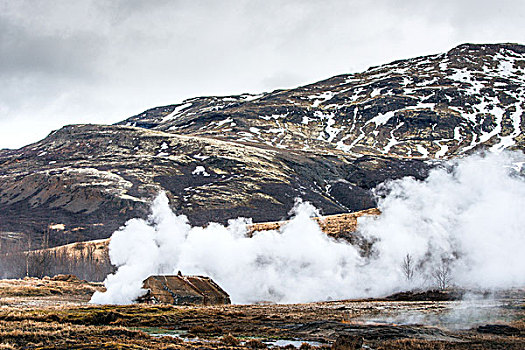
{"x":55,"y":314}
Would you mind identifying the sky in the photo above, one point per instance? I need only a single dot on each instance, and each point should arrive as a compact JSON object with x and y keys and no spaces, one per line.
{"x":96,"y":61}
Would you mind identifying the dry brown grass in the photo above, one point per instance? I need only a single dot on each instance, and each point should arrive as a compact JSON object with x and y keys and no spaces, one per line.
{"x":472,"y":343}
{"x":35,"y":287}
{"x":230,"y":340}
{"x":27,"y":332}
{"x":222,"y":327}
{"x":97,"y":249}
{"x":255,"y":344}
{"x":333,"y":225}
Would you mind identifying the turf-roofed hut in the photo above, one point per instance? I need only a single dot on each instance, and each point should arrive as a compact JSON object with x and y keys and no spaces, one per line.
{"x":183,"y":290}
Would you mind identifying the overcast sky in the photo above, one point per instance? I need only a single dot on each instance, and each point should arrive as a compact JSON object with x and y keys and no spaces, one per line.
{"x":65,"y":62}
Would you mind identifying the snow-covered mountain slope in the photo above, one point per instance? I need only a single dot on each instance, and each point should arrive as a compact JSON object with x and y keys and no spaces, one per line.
{"x":434,"y":106}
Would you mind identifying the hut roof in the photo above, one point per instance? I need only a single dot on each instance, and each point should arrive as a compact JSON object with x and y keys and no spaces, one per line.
{"x":184,"y":290}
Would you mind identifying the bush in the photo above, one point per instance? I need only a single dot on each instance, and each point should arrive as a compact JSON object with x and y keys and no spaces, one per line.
{"x":230,"y":340}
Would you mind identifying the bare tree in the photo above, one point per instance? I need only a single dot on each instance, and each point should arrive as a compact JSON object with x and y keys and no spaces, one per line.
{"x":39,"y":263}
{"x":18,"y":258}
{"x":408,"y":267}
{"x":442,"y":274}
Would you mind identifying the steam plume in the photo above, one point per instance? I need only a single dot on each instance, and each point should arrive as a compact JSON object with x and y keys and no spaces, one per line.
{"x":467,"y":216}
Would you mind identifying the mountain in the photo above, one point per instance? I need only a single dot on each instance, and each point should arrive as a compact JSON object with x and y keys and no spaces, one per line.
{"x":427,"y":107}
{"x":218,"y":158}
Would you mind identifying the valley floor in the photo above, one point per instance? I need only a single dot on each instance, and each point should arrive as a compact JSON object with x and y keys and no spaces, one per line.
{"x":54,"y":314}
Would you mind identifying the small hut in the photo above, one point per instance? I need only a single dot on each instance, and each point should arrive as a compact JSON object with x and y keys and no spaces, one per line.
{"x":183,"y":290}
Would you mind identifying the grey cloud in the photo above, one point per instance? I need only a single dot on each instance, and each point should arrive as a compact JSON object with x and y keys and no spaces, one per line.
{"x":24,"y":52}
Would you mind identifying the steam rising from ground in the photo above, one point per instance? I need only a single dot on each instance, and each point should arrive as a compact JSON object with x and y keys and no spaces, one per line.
{"x":466,"y":219}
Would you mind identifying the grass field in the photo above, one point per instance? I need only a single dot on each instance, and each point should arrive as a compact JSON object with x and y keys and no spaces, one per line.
{"x":54,"y":314}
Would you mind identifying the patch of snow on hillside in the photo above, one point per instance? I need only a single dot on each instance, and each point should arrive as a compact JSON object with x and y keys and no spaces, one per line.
{"x":457,"y":134}
{"x":230,"y":99}
{"x":90,"y":177}
{"x":381,"y":118}
{"x":273,"y":116}
{"x":250,"y":97}
{"x":507,"y":141}
{"x":421,"y":105}
{"x":428,"y":82}
{"x":200,"y":170}
{"x":465,"y":76}
{"x":443,"y":148}
{"x":276,"y":130}
{"x":392,"y":141}
{"x":176,"y":111}
{"x":329,"y":129}
{"x":225,"y":121}
{"x":406,"y":81}
{"x":376,"y":92}
{"x":200,"y":157}
{"x":318,"y":99}
{"x":342,"y":146}
{"x":505,"y":68}
{"x":422,"y":150}
{"x":506,"y":65}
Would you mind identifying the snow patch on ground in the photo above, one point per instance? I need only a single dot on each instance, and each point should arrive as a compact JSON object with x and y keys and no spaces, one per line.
{"x":392,"y":141}
{"x":381,"y":118}
{"x":200,"y":157}
{"x":200,"y":170}
{"x":422,"y":150}
{"x":250,"y":97}
{"x":176,"y":112}
{"x":329,"y":128}
{"x":225,"y":121}
{"x":507,"y":141}
{"x":323,"y":97}
{"x":443,"y":148}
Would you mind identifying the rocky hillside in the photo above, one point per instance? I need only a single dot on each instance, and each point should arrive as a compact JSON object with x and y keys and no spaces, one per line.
{"x":218,"y":158}
{"x":427,"y":107}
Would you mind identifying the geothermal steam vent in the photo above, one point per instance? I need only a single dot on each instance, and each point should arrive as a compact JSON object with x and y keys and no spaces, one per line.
{"x":183,"y":290}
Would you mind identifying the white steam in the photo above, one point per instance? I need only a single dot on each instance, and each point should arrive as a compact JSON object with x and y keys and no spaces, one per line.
{"x":467,"y":216}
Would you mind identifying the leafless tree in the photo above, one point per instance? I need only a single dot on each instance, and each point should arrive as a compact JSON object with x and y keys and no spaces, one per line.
{"x":442,"y":274}
{"x":13,"y":259}
{"x":17,"y":260}
{"x":408,"y":267}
